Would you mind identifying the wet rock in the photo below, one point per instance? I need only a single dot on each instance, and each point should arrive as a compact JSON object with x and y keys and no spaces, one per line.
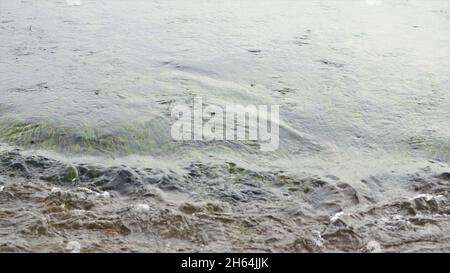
{"x":427,"y":202}
{"x":21,"y":168}
{"x":15,"y":246}
{"x":250,"y":210}
{"x":89,"y":173}
{"x":39,"y":162}
{"x":124,"y":181}
{"x":311,"y":241}
{"x":444,"y":176}
{"x":350,"y":194}
{"x":68,"y":200}
{"x":190,"y":208}
{"x":61,"y":175}
{"x":38,"y":227}
{"x":167,"y":184}
{"x":233,"y":196}
{"x":307,"y":243}
{"x":344,"y":238}
{"x":71,"y":174}
{"x":217,"y":207}
{"x":326,"y":196}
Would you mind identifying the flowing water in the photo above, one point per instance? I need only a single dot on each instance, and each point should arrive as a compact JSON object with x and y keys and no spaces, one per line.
{"x":87,"y":162}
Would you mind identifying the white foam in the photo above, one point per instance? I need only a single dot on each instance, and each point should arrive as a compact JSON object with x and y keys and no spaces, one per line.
{"x":427,"y":197}
{"x":55,"y":189}
{"x":73,"y":247}
{"x":141,"y":207}
{"x":104,"y":194}
{"x":337,"y":216}
{"x":373,"y":247}
{"x":318,"y":240}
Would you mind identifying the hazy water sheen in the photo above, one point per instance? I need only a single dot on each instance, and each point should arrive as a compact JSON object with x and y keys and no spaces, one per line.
{"x":364,"y":95}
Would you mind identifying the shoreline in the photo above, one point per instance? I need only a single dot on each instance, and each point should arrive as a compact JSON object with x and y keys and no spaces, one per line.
{"x":119,"y":209}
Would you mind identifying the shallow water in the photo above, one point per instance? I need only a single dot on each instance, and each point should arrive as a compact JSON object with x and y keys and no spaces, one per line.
{"x":363,"y":89}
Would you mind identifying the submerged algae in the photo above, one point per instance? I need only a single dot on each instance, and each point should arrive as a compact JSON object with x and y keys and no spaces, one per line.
{"x":84,"y":140}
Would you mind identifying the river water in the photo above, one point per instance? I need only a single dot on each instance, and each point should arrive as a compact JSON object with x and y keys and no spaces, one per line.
{"x":87,"y":161}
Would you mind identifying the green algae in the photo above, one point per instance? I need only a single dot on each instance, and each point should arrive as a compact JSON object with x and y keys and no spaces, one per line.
{"x":71,"y":173}
{"x":85,"y":140}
